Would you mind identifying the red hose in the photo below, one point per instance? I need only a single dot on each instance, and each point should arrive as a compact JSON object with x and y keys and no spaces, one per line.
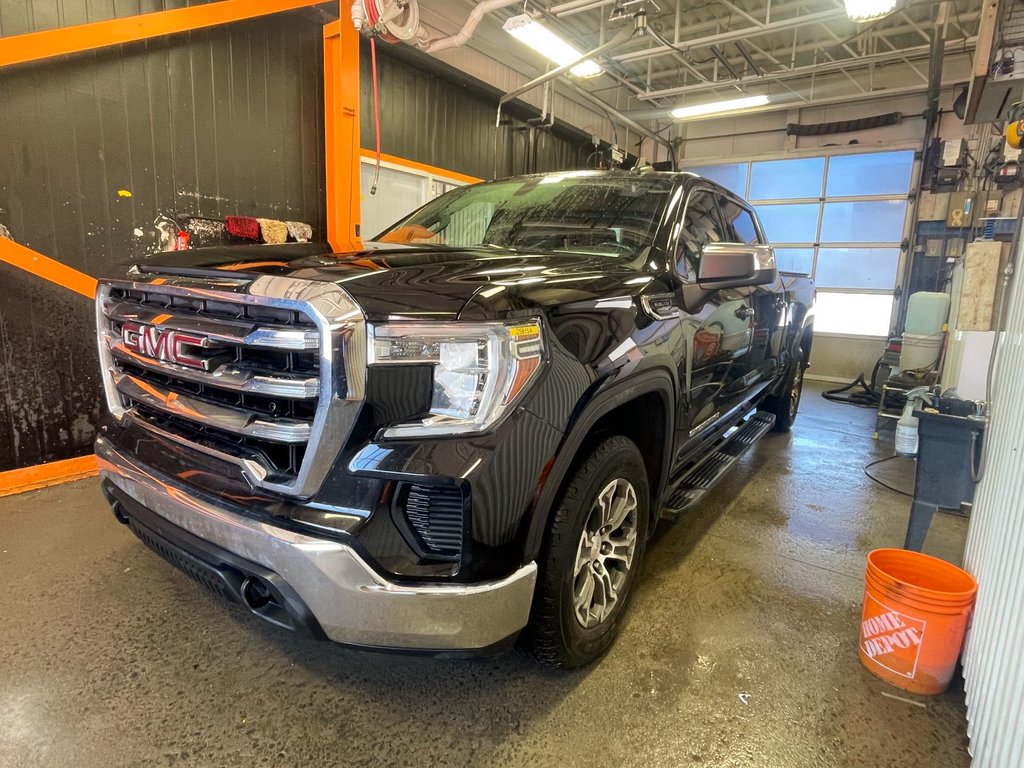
{"x":371,"y":13}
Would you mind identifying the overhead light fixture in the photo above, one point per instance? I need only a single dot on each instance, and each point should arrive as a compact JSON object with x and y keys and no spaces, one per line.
{"x":718,"y":107}
{"x":869,"y":10}
{"x":529,"y":32}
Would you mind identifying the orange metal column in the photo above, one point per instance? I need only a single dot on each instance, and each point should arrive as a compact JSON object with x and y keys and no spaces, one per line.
{"x":341,"y":129}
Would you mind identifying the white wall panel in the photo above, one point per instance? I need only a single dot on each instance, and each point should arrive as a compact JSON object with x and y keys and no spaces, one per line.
{"x":843,"y":358}
{"x":764,"y":134}
{"x":994,"y":657}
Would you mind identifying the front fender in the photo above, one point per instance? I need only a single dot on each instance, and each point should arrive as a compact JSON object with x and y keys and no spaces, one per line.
{"x":658,"y":381}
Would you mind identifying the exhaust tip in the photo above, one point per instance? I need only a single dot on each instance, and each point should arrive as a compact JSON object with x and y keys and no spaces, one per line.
{"x":118,"y":511}
{"x":256,"y":594}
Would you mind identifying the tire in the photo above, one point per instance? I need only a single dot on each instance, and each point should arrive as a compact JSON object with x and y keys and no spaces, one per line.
{"x":786,"y":404}
{"x":588,"y":568}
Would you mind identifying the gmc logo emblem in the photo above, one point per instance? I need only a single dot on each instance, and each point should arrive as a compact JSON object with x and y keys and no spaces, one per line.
{"x":169,"y":346}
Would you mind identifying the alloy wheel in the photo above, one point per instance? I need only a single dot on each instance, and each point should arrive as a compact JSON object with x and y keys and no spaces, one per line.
{"x":605,"y":554}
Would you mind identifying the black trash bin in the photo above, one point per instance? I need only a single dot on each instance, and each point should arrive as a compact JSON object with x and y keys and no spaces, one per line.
{"x":948,"y":458}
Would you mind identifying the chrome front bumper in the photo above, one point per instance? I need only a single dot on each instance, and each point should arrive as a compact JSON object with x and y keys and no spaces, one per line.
{"x":352,"y":603}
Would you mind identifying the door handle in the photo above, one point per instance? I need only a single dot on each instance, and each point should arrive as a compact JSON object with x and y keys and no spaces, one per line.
{"x":744,"y":313}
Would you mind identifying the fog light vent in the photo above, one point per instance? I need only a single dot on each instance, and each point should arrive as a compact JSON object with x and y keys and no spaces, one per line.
{"x":436,"y":516}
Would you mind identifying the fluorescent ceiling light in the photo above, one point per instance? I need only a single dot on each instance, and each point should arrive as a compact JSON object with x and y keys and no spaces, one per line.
{"x":524,"y":29}
{"x":718,"y":107}
{"x":869,"y":10}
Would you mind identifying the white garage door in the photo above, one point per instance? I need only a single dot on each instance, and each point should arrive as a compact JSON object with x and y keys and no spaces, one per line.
{"x":838,"y":218}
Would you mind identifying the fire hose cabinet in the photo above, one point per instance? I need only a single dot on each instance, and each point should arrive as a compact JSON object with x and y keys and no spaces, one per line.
{"x":948,"y":464}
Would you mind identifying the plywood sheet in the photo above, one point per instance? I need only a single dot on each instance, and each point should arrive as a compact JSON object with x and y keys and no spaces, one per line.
{"x":981,"y":278}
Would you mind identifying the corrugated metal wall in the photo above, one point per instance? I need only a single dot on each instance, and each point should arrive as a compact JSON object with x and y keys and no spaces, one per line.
{"x":994,"y":657}
{"x":436,"y":120}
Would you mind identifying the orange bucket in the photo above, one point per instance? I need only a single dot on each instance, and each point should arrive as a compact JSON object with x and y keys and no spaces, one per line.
{"x":916,"y":609}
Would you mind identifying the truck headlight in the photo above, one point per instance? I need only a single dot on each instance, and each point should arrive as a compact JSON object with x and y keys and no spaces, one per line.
{"x":479,"y":369}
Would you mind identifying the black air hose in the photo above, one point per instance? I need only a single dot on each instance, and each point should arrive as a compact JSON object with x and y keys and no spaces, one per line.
{"x":867,"y":396}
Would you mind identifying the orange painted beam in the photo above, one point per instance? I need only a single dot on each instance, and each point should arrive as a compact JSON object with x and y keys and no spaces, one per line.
{"x":43,"y":475}
{"x":33,"y":46}
{"x":423,"y":167}
{"x":19,"y":256}
{"x":341,"y":133}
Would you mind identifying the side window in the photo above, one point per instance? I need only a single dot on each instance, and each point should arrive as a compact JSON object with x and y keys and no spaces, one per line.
{"x":739,"y":222}
{"x":702,"y":224}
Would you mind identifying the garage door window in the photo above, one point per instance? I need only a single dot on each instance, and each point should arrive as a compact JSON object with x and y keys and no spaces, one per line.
{"x":732,"y":176}
{"x":782,"y":179}
{"x":838,"y":218}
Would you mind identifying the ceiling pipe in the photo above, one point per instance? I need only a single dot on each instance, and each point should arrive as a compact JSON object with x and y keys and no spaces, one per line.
{"x":487,"y":6}
{"x":615,"y":42}
{"x":626,"y":121}
{"x":548,"y":76}
{"x":736,"y":34}
{"x":682,"y":57}
{"x":888,"y":93}
{"x":815,"y":46}
{"x":614,"y":71}
{"x":622,"y":37}
{"x":920,"y":51}
{"x":578,"y":6}
{"x":468,"y":28}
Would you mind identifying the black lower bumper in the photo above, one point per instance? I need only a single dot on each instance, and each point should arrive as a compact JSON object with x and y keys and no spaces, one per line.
{"x":236,"y":579}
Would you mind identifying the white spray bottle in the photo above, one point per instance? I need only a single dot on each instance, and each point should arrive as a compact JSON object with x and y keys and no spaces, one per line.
{"x":906,"y":427}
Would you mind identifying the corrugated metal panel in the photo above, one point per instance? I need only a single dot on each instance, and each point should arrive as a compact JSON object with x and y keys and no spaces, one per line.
{"x":218,"y":122}
{"x":994,"y":658}
{"x":433,"y":120}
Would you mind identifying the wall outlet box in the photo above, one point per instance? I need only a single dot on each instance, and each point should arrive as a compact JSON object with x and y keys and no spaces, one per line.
{"x":992,"y":203}
{"x":953,"y":150}
{"x":961,"y":210}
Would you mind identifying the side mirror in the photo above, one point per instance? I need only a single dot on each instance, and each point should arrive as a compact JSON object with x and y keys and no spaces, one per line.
{"x":733,"y":265}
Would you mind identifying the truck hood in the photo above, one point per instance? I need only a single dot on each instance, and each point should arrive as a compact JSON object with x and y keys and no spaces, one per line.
{"x":435,"y":282}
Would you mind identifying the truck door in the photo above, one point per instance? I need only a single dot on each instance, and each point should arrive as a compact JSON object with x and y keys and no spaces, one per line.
{"x":718,"y":326}
{"x":765,"y":303}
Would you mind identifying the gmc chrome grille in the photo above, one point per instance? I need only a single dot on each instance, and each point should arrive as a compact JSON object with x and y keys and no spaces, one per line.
{"x":267,"y":374}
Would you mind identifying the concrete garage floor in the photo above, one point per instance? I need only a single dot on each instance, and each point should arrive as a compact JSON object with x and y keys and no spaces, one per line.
{"x":740,"y":651}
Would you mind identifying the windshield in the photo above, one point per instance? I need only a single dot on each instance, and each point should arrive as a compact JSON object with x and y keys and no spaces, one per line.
{"x":582,"y":212}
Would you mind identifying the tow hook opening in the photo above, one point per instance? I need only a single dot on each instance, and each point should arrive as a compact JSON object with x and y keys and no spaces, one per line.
{"x":256,"y":594}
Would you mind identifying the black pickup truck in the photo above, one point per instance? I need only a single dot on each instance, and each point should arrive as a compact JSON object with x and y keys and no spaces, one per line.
{"x":468,"y":428}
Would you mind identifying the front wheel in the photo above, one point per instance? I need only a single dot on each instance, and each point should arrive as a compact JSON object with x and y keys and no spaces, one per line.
{"x":591,"y":558}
